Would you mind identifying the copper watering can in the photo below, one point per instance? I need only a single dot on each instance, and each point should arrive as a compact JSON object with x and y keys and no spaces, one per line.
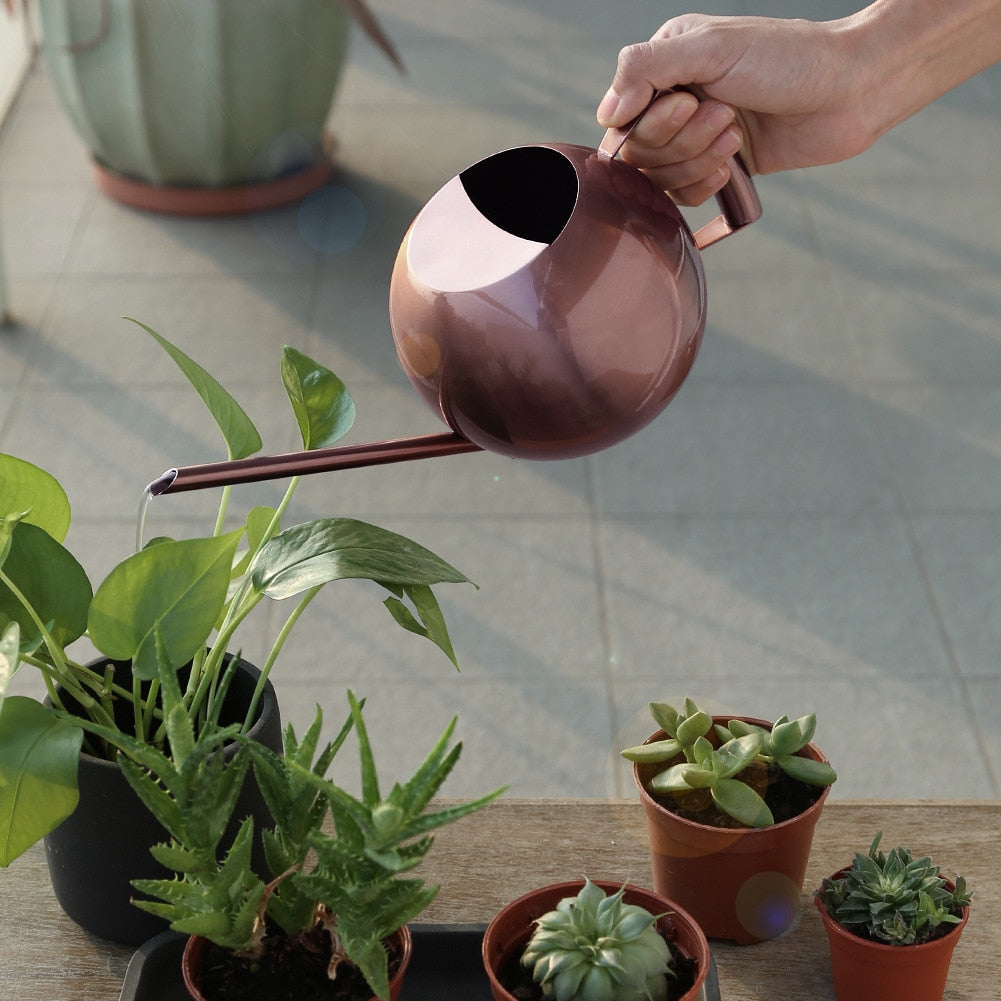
{"x":546,"y":303}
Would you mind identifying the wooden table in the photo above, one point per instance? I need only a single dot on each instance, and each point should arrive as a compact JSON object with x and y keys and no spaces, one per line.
{"x":486,"y":860}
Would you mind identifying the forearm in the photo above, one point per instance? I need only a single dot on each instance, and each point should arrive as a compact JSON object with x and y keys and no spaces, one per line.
{"x":911,"y":52}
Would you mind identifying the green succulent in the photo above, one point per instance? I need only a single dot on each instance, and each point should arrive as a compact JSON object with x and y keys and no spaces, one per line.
{"x":894,"y":898}
{"x":594,"y":947}
{"x":781,"y":744}
{"x":717,"y":769}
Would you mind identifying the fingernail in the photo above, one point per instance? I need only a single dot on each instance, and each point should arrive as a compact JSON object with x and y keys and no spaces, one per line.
{"x":720,"y":117}
{"x":728,"y":143}
{"x":609,"y":105}
{"x":683,"y":110}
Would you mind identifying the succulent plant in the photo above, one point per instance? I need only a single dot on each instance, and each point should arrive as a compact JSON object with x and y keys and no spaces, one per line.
{"x":594,"y":947}
{"x":717,"y":769}
{"x":893,"y":897}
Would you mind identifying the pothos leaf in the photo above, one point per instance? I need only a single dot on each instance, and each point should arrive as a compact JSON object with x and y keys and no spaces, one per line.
{"x":38,"y":765}
{"x":238,"y":431}
{"x":320,"y":401}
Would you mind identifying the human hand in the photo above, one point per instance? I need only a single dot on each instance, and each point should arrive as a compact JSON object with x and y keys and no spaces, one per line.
{"x":781,"y":91}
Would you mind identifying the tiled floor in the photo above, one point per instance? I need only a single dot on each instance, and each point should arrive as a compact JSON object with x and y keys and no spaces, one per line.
{"x":815,"y":522}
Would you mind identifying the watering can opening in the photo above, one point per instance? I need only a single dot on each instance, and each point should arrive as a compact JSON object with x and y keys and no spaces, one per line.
{"x":529,"y":192}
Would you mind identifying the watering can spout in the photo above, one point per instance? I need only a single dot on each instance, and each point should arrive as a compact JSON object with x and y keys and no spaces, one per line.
{"x":321,"y":460}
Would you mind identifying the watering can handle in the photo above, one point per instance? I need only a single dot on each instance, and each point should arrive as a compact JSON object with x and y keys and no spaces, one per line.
{"x":737,"y":199}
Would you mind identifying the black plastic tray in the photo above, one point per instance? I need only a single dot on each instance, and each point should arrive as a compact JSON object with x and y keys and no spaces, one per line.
{"x":446,"y":963}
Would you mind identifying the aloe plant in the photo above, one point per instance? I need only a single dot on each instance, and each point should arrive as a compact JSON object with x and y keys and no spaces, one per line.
{"x":194,"y":593}
{"x":340,"y":859}
{"x":717,"y":767}
{"x":893,"y":897}
{"x":594,"y":947}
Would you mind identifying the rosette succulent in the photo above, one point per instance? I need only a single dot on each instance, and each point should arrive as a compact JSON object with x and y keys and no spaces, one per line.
{"x":594,"y":947}
{"x":894,"y":898}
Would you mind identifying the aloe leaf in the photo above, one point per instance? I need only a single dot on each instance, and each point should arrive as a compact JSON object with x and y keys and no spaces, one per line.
{"x":315,"y":553}
{"x":178,"y":586}
{"x":238,"y":431}
{"x":25,"y":487}
{"x":742,"y":803}
{"x":51,"y":580}
{"x":320,"y":401}
{"x":38,"y":764}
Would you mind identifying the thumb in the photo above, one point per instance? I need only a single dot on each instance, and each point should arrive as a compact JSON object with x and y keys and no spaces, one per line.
{"x":632,"y":86}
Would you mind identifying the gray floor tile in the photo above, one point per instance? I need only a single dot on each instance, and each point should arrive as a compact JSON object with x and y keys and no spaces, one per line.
{"x":234,"y":328}
{"x":726,"y":447}
{"x":961,"y":554}
{"x":693,"y":600}
{"x":925,"y":327}
{"x":943,"y":443}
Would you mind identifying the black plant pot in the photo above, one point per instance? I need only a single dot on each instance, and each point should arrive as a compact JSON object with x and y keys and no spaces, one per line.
{"x":104,"y":844}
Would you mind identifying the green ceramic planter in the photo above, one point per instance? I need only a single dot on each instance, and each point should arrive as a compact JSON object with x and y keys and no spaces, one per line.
{"x":197,"y":94}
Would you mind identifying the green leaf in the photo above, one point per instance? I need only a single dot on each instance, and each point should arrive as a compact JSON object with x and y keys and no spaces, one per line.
{"x":38,"y":765}
{"x":742,"y":803}
{"x":27,"y":488}
{"x":317,"y":552}
{"x":735,"y":755}
{"x":432,"y":624}
{"x":178,"y":586}
{"x":654,"y":752}
{"x":320,"y":401}
{"x":238,"y":431}
{"x":817,"y":773}
{"x":51,"y":580}
{"x":674,"y":779}
{"x":694,"y":726}
{"x":666,"y":717}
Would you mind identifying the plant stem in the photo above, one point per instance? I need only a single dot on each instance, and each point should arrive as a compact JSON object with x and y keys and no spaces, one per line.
{"x":276,"y":648}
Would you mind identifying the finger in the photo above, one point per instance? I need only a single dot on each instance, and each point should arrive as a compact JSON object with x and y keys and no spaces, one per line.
{"x":657,"y":124}
{"x":655,"y":142}
{"x":697,"y":171}
{"x":702,"y":191}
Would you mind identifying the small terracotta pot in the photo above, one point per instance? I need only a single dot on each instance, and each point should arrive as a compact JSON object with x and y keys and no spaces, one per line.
{"x":863,"y":970}
{"x":191,"y":962}
{"x":508,"y":934}
{"x":744,"y":884}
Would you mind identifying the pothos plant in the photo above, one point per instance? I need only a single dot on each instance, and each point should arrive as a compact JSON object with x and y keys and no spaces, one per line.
{"x":340,"y":859}
{"x":721,"y":768}
{"x":192,"y":593}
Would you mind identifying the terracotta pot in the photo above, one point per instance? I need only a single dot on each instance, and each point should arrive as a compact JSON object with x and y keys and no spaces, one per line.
{"x":191,"y":962}
{"x":507,"y":935}
{"x":873,"y":971}
{"x":742,"y":884}
{"x":104,"y":844}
